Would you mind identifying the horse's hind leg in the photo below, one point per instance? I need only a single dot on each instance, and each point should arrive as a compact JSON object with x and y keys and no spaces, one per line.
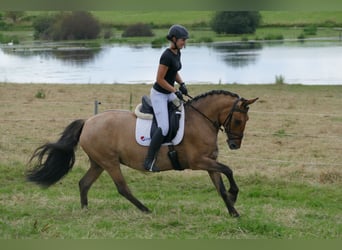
{"x":227,"y":197}
{"x":87,"y":180}
{"x":116,"y":174}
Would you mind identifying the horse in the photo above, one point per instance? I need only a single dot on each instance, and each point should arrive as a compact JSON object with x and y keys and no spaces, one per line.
{"x":108,"y":138}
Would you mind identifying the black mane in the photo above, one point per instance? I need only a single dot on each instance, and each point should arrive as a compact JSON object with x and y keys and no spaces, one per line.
{"x":214,"y":92}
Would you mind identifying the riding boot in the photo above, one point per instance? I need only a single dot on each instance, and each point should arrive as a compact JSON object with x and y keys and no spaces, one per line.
{"x":155,"y":144}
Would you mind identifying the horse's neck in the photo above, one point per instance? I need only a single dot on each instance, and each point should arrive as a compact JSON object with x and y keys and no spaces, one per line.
{"x":212,"y":106}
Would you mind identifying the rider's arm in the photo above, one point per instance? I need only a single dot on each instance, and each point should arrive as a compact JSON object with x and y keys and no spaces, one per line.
{"x":179,"y":79}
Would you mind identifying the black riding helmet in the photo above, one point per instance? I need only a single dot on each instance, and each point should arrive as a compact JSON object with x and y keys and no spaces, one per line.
{"x":177,"y":31}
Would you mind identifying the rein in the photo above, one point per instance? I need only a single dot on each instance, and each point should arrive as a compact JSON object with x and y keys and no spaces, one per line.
{"x":214,"y":123}
{"x":227,"y":122}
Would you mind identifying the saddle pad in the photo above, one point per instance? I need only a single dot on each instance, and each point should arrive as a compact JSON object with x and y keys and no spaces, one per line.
{"x":143,"y":129}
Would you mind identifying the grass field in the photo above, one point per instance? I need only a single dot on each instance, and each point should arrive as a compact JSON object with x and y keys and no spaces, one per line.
{"x":288,"y":24}
{"x":269,"y":18}
{"x":288,"y":169}
{"x":191,"y":18}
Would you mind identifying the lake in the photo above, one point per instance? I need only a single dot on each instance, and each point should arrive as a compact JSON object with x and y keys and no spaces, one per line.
{"x":309,"y":62}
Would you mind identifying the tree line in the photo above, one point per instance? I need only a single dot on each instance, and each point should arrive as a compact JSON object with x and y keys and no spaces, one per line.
{"x":77,"y":25}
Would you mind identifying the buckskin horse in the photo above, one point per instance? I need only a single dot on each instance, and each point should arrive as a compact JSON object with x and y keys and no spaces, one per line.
{"x":108,"y":139}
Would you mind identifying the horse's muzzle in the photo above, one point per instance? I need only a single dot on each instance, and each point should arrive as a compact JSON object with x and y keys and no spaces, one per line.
{"x":233,"y":144}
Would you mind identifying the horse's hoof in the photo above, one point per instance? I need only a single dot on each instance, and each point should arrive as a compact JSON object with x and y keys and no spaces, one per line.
{"x":232,"y":211}
{"x":145,"y":210}
{"x":235,"y":214}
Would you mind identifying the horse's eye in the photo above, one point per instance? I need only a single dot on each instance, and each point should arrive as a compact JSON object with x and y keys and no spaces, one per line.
{"x":237,"y":122}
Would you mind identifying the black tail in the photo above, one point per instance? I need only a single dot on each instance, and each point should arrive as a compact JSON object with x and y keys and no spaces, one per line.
{"x":60,"y":156}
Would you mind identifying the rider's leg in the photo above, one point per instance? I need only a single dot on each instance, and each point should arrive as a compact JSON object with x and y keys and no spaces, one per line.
{"x":159,"y":103}
{"x":156,"y":141}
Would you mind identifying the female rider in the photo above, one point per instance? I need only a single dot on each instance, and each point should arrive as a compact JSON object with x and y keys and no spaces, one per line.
{"x":163,"y":90}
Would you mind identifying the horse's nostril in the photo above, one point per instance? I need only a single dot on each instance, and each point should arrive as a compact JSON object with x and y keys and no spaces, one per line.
{"x":232,"y":145}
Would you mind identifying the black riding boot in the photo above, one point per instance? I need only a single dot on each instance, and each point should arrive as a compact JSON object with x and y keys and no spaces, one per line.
{"x":155,"y":144}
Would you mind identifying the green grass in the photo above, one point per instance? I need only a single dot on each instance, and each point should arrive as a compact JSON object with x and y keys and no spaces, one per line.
{"x":184,"y":206}
{"x":157,"y":18}
{"x":285,"y":24}
{"x":193,"y":18}
{"x":301,"y":18}
{"x":275,"y":24}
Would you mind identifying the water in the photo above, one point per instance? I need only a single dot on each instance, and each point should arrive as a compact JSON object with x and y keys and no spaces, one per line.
{"x":310,"y":62}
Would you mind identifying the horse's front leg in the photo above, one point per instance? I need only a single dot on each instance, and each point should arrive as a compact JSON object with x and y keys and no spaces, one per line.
{"x":228,"y":198}
{"x":215,"y":169}
{"x":233,"y":190}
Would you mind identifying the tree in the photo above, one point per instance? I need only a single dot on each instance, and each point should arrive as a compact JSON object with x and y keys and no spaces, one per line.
{"x":138,"y":29}
{"x":14,"y":15}
{"x":77,"y":25}
{"x":3,"y":25}
{"x":65,"y":26}
{"x":235,"y":22}
{"x":43,"y":26}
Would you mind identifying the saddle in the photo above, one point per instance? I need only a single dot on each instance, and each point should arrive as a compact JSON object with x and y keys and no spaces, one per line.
{"x":145,"y":111}
{"x":146,"y":124}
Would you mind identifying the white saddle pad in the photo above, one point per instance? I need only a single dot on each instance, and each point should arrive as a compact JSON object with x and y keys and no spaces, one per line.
{"x":143,"y":130}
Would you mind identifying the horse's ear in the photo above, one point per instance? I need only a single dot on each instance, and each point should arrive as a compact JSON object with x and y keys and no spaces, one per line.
{"x":246,"y":103}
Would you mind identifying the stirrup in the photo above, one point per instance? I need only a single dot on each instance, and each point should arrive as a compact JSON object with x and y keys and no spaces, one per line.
{"x":152,"y":167}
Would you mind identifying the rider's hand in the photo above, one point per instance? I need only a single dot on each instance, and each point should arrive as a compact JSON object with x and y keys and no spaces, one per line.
{"x":183,"y":89}
{"x":179,"y":95}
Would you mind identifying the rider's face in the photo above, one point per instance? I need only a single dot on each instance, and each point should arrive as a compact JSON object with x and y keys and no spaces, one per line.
{"x":180,"y":43}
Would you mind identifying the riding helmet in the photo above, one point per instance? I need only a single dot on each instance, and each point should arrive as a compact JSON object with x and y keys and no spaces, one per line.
{"x":177,"y":31}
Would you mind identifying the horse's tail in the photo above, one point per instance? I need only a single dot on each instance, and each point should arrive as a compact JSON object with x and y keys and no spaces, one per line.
{"x":60,"y":156}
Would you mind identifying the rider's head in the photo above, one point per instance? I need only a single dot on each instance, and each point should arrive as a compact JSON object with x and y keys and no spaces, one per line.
{"x":177,"y":35}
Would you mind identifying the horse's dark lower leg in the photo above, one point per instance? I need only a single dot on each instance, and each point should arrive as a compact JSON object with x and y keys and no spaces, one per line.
{"x":115,"y":173}
{"x":233,"y":190}
{"x":228,"y":200}
{"x":124,"y":191}
{"x":87,"y":180}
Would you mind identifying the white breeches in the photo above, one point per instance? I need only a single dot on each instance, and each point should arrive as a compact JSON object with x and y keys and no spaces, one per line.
{"x":159,"y":102}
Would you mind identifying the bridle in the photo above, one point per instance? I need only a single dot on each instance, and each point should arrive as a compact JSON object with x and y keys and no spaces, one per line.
{"x":227,"y":122}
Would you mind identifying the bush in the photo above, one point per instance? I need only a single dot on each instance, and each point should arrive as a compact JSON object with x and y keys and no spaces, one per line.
{"x":279,"y":79}
{"x":310,"y":30}
{"x":67,"y":26}
{"x":76,"y":26}
{"x":40,"y":94}
{"x":3,"y":25}
{"x":43,"y":26}
{"x":15,"y":16}
{"x":158,"y":42}
{"x":8,"y":39}
{"x":203,"y":39}
{"x":274,"y":37}
{"x":137,"y":30}
{"x":108,"y":34}
{"x":301,"y":36}
{"x":236,"y":22}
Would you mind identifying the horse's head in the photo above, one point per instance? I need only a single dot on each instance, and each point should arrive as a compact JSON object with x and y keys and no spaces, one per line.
{"x":234,"y":124}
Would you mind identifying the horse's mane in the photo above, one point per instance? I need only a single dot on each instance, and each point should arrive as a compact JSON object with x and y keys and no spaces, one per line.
{"x":214,"y":92}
